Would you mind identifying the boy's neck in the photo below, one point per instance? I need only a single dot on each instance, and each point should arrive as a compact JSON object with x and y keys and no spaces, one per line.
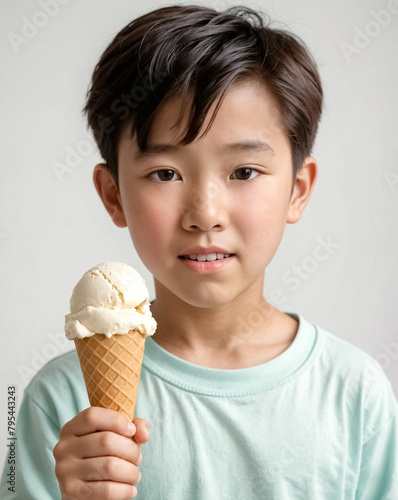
{"x":247,"y":333}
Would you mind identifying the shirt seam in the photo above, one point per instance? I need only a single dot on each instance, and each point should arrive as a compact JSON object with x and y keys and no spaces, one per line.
{"x":30,"y":396}
{"x":378,"y":430}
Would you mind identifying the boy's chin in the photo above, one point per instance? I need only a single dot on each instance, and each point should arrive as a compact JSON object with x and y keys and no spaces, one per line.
{"x":209,"y":301}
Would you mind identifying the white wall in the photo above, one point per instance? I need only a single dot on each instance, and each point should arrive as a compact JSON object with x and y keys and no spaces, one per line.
{"x":53,"y":228}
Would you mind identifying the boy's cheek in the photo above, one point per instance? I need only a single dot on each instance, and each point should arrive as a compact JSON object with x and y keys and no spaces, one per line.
{"x":149,"y":229}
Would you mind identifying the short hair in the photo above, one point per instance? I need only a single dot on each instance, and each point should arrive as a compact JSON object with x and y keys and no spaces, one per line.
{"x":179,"y":49}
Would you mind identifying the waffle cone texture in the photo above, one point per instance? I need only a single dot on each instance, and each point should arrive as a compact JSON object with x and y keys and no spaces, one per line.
{"x":111,"y":369}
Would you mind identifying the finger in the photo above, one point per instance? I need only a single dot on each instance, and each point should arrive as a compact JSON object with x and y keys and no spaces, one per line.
{"x":94,"y":490}
{"x":98,"y":419}
{"x":106,"y":444}
{"x":109,"y":469}
{"x":142,"y":433}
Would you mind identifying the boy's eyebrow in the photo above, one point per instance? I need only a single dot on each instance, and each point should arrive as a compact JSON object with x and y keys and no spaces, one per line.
{"x":235,"y":147}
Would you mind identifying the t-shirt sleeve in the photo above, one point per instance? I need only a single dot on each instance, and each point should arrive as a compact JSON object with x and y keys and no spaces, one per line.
{"x":36,"y":434}
{"x":378,"y":478}
{"x":378,"y":475}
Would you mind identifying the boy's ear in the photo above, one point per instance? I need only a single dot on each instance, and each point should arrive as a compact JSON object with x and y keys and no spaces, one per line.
{"x":109,"y":193}
{"x":302,"y":189}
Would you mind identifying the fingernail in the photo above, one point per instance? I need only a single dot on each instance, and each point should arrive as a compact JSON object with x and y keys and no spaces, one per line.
{"x":134,"y":491}
{"x":139,"y":477}
{"x":139,"y":460}
{"x":131,"y":428}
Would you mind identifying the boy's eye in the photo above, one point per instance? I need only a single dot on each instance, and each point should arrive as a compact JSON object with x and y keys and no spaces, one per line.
{"x":244,"y":173}
{"x":163,"y":175}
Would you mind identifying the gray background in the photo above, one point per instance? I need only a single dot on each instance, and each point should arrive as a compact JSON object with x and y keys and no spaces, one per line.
{"x":53,"y":226}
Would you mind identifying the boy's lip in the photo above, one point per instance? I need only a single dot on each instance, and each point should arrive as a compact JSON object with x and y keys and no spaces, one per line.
{"x":204,"y":251}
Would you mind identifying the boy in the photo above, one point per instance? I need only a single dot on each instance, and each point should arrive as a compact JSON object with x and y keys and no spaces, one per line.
{"x":243,"y":400}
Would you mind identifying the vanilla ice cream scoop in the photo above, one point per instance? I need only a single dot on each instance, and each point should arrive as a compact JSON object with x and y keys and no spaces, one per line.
{"x":110,"y":298}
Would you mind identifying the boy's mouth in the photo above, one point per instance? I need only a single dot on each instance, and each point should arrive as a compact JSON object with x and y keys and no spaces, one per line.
{"x":204,"y":258}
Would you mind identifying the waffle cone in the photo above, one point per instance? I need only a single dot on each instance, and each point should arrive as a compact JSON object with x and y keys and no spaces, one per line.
{"x":111,"y":369}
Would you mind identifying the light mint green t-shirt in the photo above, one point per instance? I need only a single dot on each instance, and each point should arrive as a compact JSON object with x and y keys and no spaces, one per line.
{"x":318,"y":422}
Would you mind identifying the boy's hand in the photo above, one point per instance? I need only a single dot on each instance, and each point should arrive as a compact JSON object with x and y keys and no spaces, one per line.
{"x":96,"y":457}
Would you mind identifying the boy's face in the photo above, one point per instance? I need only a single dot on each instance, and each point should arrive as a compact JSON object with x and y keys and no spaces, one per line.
{"x":204,"y":194}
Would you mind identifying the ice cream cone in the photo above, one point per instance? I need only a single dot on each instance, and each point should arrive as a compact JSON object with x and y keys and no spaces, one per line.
{"x":111,"y":369}
{"x":109,"y":320}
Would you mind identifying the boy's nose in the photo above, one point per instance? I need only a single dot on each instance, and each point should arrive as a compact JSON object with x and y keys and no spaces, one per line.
{"x":204,"y":209}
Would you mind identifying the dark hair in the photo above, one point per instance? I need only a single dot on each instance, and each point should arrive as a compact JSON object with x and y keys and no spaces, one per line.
{"x":176,"y":49}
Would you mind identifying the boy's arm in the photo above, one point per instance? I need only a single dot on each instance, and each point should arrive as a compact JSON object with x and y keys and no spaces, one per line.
{"x":378,"y":474}
{"x":378,"y":478}
{"x":36,"y":435}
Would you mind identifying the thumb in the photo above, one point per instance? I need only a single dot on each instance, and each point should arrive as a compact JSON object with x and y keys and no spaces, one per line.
{"x":142,"y":433}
